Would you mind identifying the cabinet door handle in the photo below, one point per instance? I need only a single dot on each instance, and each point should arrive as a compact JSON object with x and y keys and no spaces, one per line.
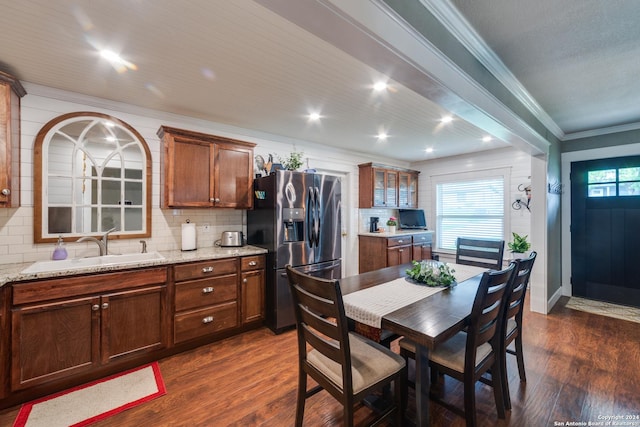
{"x":207,"y":290}
{"x":400,"y":241}
{"x":207,"y":269}
{"x":244,"y":280}
{"x":105,"y":305}
{"x":207,"y":319}
{"x":214,"y":200}
{"x":95,"y":307}
{"x":400,"y":250}
{"x":253,"y":263}
{"x":6,"y":191}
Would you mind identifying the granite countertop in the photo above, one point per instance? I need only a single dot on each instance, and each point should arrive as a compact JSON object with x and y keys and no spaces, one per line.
{"x":13,"y":272}
{"x":398,"y":233}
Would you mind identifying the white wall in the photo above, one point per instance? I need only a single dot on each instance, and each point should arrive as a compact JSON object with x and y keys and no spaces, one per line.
{"x":517,"y":163}
{"x":42,"y":104}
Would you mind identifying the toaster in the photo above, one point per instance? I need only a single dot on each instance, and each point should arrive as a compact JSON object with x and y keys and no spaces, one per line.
{"x":232,"y":238}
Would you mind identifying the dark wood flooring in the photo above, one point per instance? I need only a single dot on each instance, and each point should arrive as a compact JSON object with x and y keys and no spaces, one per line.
{"x":580,"y":368}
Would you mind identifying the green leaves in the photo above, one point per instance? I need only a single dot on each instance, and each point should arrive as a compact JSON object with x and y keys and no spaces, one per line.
{"x":431,"y":273}
{"x":519,"y":244}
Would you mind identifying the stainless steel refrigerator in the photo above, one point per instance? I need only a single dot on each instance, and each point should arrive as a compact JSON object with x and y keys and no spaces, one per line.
{"x":296,"y":216}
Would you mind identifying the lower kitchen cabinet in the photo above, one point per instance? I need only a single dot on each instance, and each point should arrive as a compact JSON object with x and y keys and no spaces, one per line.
{"x":67,"y":330}
{"x":64,"y":327}
{"x":253,"y":288}
{"x":422,"y":246}
{"x":206,"y":298}
{"x":376,"y":252}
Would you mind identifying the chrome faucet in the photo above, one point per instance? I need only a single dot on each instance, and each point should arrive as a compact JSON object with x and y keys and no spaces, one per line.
{"x":105,"y":240}
{"x":102,"y":243}
{"x":144,"y":246}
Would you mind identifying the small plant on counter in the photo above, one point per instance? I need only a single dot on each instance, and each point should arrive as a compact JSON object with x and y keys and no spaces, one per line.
{"x":293,"y":161}
{"x":519,"y":244}
{"x":392,"y":221}
{"x":432,"y":273}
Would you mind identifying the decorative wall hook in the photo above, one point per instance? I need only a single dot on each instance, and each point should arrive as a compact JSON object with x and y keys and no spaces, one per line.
{"x":523,"y":201}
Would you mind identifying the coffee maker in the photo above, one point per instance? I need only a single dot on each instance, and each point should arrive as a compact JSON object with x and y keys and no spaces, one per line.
{"x":373,"y":224}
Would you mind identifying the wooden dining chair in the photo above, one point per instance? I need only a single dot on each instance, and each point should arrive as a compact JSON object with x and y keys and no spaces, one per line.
{"x":512,"y":321}
{"x":486,"y":253}
{"x":347,"y":365}
{"x":471,"y":353}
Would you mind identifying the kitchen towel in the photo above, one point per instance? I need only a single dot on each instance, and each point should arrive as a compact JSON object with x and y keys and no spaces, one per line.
{"x":188,"y":236}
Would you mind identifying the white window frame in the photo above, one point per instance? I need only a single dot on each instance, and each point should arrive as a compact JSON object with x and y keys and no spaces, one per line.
{"x":504,"y":173}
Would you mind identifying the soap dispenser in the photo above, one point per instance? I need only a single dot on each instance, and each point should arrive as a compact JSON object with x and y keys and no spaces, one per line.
{"x":60,"y":252}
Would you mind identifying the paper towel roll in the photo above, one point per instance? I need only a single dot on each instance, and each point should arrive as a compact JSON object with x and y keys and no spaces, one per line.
{"x":188,"y":236}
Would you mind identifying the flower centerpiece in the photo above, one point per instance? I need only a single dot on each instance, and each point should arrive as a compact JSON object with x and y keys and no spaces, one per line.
{"x":392,"y":223}
{"x":431,"y":273}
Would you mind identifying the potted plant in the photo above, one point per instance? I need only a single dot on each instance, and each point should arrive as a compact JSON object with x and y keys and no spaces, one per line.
{"x":519,"y":245}
{"x":392,"y":223}
{"x":293,"y":161}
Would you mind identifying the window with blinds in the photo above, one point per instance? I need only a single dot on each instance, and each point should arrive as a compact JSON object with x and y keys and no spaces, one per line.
{"x":472,"y":208}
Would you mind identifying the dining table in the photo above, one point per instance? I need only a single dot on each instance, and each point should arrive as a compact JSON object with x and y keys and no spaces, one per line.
{"x":428,"y":318}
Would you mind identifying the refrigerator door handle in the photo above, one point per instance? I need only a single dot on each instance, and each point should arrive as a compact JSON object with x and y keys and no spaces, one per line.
{"x":317,"y":215}
{"x":310,"y":217}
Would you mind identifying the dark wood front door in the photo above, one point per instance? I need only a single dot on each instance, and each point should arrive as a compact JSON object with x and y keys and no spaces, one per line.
{"x":605,"y":230}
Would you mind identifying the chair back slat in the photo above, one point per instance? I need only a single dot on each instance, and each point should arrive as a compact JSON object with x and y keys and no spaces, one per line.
{"x":320,"y":316}
{"x":516,"y":295}
{"x":484,"y":321}
{"x":486,"y":253}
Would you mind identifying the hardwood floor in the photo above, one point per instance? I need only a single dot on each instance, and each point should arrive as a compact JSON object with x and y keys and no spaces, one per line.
{"x":580,"y":367}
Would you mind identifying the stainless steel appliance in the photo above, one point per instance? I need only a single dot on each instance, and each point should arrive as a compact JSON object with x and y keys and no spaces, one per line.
{"x":232,"y":239}
{"x":296,"y":216}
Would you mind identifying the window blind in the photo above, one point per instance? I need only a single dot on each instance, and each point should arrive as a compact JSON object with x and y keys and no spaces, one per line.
{"x":473,"y":208}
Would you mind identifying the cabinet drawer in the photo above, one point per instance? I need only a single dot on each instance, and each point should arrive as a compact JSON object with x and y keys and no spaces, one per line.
{"x":200,"y":270}
{"x":198,"y":323}
{"x":252,"y":262}
{"x":398,"y":241}
{"x":72,"y":286}
{"x":203,"y":292}
{"x":422,"y":238}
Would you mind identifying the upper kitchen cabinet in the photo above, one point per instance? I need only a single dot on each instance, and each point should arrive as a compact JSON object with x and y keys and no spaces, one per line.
{"x":387,"y":187}
{"x":10,"y":93}
{"x":205,"y":171}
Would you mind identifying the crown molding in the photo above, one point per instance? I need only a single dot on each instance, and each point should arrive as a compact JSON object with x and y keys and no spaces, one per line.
{"x":462,"y":30}
{"x":601,"y":131}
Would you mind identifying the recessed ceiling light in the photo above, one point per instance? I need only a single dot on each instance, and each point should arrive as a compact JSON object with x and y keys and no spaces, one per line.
{"x":314,"y":117}
{"x":429,"y":150}
{"x":487,"y":139}
{"x":446,"y":119}
{"x":382,"y":136}
{"x":119,"y":63}
{"x":380,"y":86}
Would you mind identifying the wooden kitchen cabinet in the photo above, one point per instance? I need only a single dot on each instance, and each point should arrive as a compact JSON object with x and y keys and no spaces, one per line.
{"x":407,"y":190}
{"x":376,"y":252}
{"x":422,"y":246}
{"x":253,"y":288}
{"x":204,"y":171}
{"x":10,"y":93}
{"x":380,"y":252}
{"x":69,"y":326}
{"x":399,"y":251}
{"x":387,"y":187}
{"x":206,"y":298}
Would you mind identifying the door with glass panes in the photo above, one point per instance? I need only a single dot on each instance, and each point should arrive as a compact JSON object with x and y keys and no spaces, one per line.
{"x":605,"y":230}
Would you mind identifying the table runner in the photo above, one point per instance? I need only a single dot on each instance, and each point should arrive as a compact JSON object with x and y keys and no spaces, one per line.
{"x":368,"y":306}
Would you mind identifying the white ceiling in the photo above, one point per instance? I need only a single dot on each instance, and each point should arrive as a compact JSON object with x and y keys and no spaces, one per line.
{"x":242,"y":64}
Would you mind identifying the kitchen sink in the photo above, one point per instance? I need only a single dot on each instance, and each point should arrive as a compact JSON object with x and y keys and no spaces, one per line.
{"x":99,"y":261}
